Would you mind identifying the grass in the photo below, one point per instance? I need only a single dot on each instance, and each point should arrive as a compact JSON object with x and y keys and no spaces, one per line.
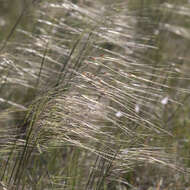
{"x":94,"y":97}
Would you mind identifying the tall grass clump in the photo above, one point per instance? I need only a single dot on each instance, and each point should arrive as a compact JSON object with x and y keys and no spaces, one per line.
{"x":94,"y":95}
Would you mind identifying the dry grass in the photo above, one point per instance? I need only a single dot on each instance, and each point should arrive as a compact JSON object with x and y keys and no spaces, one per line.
{"x":89,"y":98}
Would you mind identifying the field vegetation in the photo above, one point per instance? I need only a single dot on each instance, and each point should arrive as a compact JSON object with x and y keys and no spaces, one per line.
{"x":94,"y":95}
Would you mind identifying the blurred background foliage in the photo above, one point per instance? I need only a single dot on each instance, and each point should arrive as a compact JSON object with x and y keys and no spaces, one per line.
{"x":94,"y":94}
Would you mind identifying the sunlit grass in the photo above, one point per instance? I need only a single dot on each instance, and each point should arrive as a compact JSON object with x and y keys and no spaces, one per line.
{"x":90,"y":98}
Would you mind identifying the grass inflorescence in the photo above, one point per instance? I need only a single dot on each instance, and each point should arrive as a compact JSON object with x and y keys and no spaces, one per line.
{"x":92,"y":97}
